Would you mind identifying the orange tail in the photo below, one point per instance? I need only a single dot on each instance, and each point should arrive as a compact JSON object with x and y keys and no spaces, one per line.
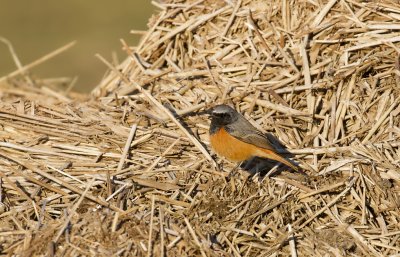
{"x":265,"y":153}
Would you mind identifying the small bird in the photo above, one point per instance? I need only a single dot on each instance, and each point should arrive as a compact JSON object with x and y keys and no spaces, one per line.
{"x":233,"y":137}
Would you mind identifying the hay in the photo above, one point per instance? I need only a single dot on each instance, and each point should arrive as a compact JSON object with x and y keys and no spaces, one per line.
{"x":128,"y":172}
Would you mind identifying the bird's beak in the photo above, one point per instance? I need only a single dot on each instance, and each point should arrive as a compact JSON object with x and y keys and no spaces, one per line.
{"x":205,"y":112}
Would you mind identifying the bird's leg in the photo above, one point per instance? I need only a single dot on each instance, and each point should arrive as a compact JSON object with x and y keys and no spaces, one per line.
{"x":219,"y":166}
{"x":246,"y":164}
{"x":233,"y":171}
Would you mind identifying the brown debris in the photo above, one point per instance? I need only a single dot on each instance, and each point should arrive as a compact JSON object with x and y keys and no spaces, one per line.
{"x":128,"y":172}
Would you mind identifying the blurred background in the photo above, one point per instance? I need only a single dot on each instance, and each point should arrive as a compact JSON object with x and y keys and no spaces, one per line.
{"x":35,"y":28}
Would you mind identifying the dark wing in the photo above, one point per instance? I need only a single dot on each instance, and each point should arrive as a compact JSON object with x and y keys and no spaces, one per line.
{"x":244,"y":131}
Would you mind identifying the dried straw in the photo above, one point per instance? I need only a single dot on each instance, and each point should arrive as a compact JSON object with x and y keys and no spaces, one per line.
{"x":128,"y":172}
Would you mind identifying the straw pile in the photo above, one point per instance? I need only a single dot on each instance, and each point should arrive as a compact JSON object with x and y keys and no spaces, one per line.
{"x":129,"y":171}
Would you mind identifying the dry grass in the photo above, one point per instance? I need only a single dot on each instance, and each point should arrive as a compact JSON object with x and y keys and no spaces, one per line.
{"x":129,"y":172}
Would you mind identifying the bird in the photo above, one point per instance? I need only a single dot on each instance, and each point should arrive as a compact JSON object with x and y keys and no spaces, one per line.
{"x":235,"y":138}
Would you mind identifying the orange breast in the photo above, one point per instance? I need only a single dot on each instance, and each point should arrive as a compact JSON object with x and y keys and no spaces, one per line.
{"x":235,"y":150}
{"x":231,"y":148}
